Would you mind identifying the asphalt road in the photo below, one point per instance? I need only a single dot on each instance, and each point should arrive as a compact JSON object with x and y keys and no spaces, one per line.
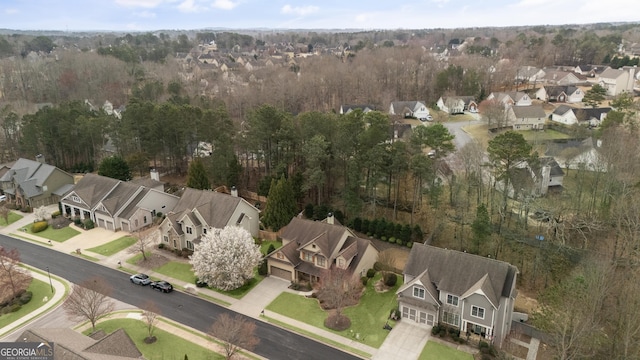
{"x":275,"y":343}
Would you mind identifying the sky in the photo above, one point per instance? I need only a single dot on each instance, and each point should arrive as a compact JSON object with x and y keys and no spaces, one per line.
{"x":150,"y":15}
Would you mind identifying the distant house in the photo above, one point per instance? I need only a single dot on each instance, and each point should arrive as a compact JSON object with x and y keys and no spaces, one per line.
{"x":199,"y":212}
{"x":556,"y":77}
{"x":117,"y":205}
{"x":469,"y":292}
{"x":514,"y":98}
{"x":34,"y":183}
{"x":568,"y":94}
{"x":574,"y":154}
{"x":618,"y":81}
{"x":530,"y":117}
{"x":345,"y":109}
{"x":529,"y":74}
{"x":457,"y":104}
{"x":590,"y":70}
{"x":310,"y":249}
{"x":414,"y":109}
{"x":568,"y":115}
{"x":72,"y":345}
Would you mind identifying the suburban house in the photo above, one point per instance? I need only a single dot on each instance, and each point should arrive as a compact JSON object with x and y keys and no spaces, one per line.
{"x":310,"y":248}
{"x":457,"y":104}
{"x":513,"y":98}
{"x":530,"y":117}
{"x":407,"y":109}
{"x":345,"y":109}
{"x":575,"y":154}
{"x":34,"y":183}
{"x":562,"y":94}
{"x":529,"y":74}
{"x":4,"y":168}
{"x":71,"y":345}
{"x":117,"y":205}
{"x":199,"y":212}
{"x":618,"y":81}
{"x":557,"y":77}
{"x":590,"y":70}
{"x":568,"y":115}
{"x":472,"y":293}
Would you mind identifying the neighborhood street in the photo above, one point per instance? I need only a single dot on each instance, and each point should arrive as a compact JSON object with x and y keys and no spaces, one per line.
{"x":275,"y":342}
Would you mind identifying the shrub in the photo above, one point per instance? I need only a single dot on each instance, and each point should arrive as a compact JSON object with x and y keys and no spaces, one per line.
{"x":159,"y":214}
{"x":185,"y":253}
{"x":55,"y":214}
{"x":357,"y":224}
{"x":384,"y":238}
{"x":77,"y":221}
{"x":25,"y":297}
{"x":410,"y":244}
{"x":15,"y":307}
{"x":26,"y":209}
{"x":392,"y":240}
{"x":271,"y":249}
{"x":365,"y":226}
{"x":263,"y":269}
{"x":442,"y":332}
{"x":200,"y":284}
{"x":39,"y":226}
{"x":483,"y":345}
{"x":435,"y":330}
{"x":364,"y":280}
{"x":377,"y":266}
{"x":390,"y":279}
{"x":371,"y":273}
{"x":161,"y":246}
{"x":88,"y":224}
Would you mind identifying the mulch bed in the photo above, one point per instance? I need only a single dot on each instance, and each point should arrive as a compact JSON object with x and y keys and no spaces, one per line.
{"x":153,"y":261}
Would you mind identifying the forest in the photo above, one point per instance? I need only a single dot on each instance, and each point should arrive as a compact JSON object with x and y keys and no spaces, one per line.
{"x":283,"y":123}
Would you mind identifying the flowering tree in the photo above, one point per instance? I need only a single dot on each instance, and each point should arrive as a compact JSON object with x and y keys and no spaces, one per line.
{"x":226,"y":258}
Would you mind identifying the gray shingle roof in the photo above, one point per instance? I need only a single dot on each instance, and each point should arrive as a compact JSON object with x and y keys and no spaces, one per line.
{"x":531,"y":111}
{"x":92,"y":188}
{"x":29,"y":175}
{"x":456,"y":272}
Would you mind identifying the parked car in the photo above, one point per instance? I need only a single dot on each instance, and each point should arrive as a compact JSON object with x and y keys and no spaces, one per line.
{"x":140,"y":279}
{"x":3,"y":198}
{"x":162,"y":286}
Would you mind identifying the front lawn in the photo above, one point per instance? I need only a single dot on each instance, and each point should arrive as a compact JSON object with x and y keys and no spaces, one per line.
{"x":114,"y":246}
{"x":177,"y":270}
{"x":437,"y":351}
{"x":168,"y":346}
{"x":58,"y":235}
{"x":13,"y":217}
{"x":367,"y":318}
{"x":40,"y":289}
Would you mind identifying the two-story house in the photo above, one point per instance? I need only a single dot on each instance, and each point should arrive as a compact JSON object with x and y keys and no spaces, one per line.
{"x":200,"y":212}
{"x":512,"y":98}
{"x":457,"y":104}
{"x":34,"y":183}
{"x":618,"y":81}
{"x":409,"y":109}
{"x":530,"y":117}
{"x":310,"y":248}
{"x":472,"y":293}
{"x":569,"y":94}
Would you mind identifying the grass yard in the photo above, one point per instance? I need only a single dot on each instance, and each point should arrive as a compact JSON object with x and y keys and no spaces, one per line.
{"x":547,"y":134}
{"x":40,"y":289}
{"x":137,"y":258}
{"x":265,"y":246}
{"x":177,"y":270}
{"x":13,"y":217}
{"x":367,"y":318}
{"x":114,"y":246}
{"x":58,"y":235}
{"x":437,"y":351}
{"x":167,"y":346}
{"x":244,"y":289}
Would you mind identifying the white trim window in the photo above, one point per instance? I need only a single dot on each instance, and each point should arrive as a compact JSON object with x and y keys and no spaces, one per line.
{"x":452,"y":300}
{"x":189,"y":245}
{"x":477,"y":311}
{"x":189,"y":230}
{"x":451,"y":318}
{"x":418,"y":292}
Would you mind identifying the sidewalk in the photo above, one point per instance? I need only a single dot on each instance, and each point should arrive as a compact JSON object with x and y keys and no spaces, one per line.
{"x":251,"y":305}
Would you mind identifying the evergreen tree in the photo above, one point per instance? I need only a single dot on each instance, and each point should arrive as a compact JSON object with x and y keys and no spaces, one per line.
{"x":197,"y":177}
{"x":281,"y":205}
{"x":115,"y":167}
{"x":481,"y":228}
{"x":594,"y":96}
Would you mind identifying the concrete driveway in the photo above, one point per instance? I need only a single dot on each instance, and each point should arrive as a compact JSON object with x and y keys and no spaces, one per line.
{"x":260,"y":296}
{"x":405,"y":341}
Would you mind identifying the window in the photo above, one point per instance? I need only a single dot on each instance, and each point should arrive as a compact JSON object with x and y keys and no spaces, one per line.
{"x":204,"y":230}
{"x":320,"y":261}
{"x":75,"y":199}
{"x":279,"y":255}
{"x":240,"y":219}
{"x":451,"y":318}
{"x":341,"y":263}
{"x":175,"y":244}
{"x":452,"y":300}
{"x":189,"y":230}
{"x":166,"y":239}
{"x":189,"y":245}
{"x":477,"y":312}
{"x":145,"y":219}
{"x":307,"y":256}
{"x":418,"y":292}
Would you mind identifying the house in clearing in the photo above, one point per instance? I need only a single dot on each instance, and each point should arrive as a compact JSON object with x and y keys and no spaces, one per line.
{"x":530,"y":117}
{"x":472,"y":293}
{"x":457,"y":104}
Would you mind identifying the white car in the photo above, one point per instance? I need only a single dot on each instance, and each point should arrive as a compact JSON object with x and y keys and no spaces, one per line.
{"x":3,"y":198}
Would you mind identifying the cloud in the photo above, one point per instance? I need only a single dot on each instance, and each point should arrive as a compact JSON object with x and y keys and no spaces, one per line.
{"x":224,"y":4}
{"x":189,"y":6}
{"x":145,"y":14}
{"x":299,"y":10}
{"x":139,"y":3}
{"x":11,"y":11}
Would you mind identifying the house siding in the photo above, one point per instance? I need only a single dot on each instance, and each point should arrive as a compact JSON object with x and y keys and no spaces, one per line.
{"x":369,"y":257}
{"x":480,"y":301}
{"x":57,"y":179}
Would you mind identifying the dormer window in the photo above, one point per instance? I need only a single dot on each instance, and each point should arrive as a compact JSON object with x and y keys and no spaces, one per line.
{"x":279,"y":255}
{"x":320,"y":261}
{"x":418,"y":292}
{"x":189,"y":230}
{"x":76,"y":199}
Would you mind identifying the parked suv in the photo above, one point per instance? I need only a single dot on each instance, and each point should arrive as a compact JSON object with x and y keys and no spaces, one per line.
{"x":140,"y":279}
{"x":162,"y":286}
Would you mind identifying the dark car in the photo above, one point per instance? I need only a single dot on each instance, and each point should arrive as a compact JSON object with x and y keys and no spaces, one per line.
{"x":162,"y":286}
{"x":140,"y":279}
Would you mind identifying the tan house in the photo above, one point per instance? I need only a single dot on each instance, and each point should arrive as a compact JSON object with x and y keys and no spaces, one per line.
{"x":199,"y":212}
{"x":512,"y":98}
{"x":618,"y":81}
{"x":310,"y":248}
{"x":34,"y":183}
{"x":472,"y":293}
{"x":117,"y":205}
{"x":530,"y":117}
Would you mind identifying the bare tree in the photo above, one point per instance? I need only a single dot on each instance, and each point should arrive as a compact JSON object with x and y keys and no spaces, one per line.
{"x":12,"y":277}
{"x":90,"y":300}
{"x":150,"y":314}
{"x":494,"y":113}
{"x":4,"y":214}
{"x":235,"y":332}
{"x":336,"y":290}
{"x":144,"y":239}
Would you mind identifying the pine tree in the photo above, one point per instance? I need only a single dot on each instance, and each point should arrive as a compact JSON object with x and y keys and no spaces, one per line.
{"x":281,"y":205}
{"x":197,"y":176}
{"x":115,"y":167}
